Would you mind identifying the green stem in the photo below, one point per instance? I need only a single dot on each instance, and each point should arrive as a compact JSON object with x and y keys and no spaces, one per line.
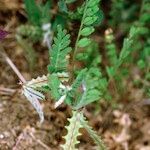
{"x":76,"y":44}
{"x":78,"y":37}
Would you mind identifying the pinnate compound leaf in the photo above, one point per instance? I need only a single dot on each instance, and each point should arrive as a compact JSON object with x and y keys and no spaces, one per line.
{"x":89,"y":96}
{"x":90,"y":16}
{"x":92,"y":88}
{"x":59,"y":52}
{"x":72,"y":132}
{"x":127,"y":45}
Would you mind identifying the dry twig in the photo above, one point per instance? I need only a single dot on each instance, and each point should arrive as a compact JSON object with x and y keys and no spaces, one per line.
{"x":12,"y":65}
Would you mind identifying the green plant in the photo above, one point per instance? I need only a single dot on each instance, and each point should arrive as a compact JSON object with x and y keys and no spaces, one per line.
{"x":77,"y":75}
{"x":72,"y":86}
{"x":116,"y":73}
{"x":78,"y":12}
{"x":143,"y":46}
{"x":130,"y":52}
{"x":78,"y":86}
{"x":91,"y":67}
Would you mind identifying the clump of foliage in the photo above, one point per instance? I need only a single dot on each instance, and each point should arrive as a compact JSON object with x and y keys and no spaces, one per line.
{"x":135,"y":46}
{"x":77,"y":75}
{"x":137,"y":43}
{"x":75,"y":88}
{"x":143,"y":47}
{"x":116,"y":60}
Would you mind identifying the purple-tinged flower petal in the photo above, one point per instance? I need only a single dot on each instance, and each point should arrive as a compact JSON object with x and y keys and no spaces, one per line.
{"x":3,"y":34}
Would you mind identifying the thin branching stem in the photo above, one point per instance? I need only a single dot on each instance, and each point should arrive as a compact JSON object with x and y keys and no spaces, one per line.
{"x":13,"y":66}
{"x":15,"y":69}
